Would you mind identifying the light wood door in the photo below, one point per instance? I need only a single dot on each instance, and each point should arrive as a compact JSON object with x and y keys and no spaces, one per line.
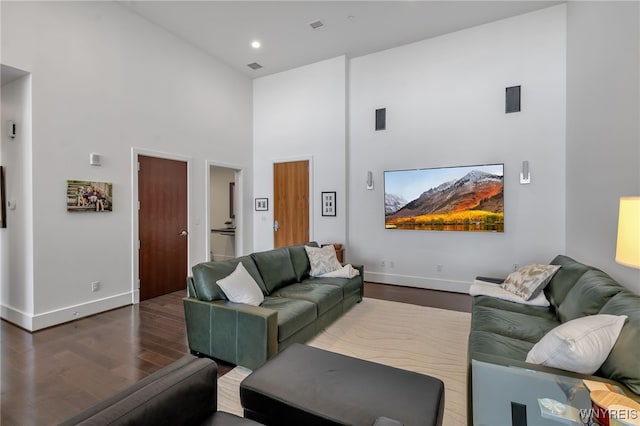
{"x":162,"y":226}
{"x":291,"y":203}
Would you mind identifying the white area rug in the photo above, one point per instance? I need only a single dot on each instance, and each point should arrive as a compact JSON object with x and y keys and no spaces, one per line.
{"x":425,"y":340}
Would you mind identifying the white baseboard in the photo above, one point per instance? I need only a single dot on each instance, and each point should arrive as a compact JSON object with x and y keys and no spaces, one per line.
{"x":70,"y":313}
{"x":418,"y":282}
{"x":17,"y":317}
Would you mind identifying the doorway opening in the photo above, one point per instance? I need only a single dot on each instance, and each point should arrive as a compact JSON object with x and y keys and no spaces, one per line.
{"x":224,"y":212}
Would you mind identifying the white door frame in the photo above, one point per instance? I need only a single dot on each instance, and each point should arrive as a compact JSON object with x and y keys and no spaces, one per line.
{"x":135,"y":235}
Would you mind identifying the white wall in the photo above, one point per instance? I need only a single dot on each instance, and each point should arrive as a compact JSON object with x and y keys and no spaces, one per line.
{"x":445,"y":107}
{"x":603,"y":133}
{"x":222,"y":246}
{"x":300,"y":114}
{"x":105,"y":80}
{"x":16,"y":241}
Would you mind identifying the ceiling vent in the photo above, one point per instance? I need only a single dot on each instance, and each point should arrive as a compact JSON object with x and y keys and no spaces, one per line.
{"x":316,"y":24}
{"x":254,"y":66}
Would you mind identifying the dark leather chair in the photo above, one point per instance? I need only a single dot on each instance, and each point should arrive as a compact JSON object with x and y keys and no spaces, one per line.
{"x":183,"y":393}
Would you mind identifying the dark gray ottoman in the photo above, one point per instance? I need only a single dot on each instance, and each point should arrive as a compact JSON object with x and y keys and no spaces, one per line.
{"x":308,"y":386}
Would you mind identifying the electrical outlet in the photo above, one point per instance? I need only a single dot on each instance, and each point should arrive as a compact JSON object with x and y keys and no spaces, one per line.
{"x":95,"y":286}
{"x":392,"y":264}
{"x":439,"y":268}
{"x":515,"y":266}
{"x":383,"y":263}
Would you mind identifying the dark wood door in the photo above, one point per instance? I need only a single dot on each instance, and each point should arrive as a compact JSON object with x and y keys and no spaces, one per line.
{"x":162,"y":191}
{"x":291,"y":203}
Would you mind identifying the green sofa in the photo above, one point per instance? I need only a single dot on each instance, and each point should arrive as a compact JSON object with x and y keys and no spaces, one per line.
{"x":503,"y":332}
{"x":296,"y":306}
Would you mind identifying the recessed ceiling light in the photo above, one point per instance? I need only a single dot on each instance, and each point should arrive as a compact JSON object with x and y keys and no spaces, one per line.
{"x":255,"y":44}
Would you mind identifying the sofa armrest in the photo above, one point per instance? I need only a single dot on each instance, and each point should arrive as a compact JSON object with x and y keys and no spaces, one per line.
{"x":385,"y":421}
{"x":234,"y":332}
{"x":191,"y":288}
{"x":359,"y":268}
{"x":516,"y":364}
{"x":491,"y":280}
{"x":189,"y":383}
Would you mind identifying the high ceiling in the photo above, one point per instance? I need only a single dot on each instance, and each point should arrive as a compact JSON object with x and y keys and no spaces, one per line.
{"x":225,"y":29}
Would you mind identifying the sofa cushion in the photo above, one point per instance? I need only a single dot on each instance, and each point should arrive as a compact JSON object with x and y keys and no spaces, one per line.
{"x":564,"y":279}
{"x":293,"y":314}
{"x":275,"y":268}
{"x":623,"y":363}
{"x":580,"y":345}
{"x":505,"y":305}
{"x":324,"y":296}
{"x":206,"y":274}
{"x":484,"y":342}
{"x":300,"y":260}
{"x":589,"y":294}
{"x":348,"y":285}
{"x":511,"y":324}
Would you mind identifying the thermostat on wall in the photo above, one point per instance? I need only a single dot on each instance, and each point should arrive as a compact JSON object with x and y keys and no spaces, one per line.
{"x":94,"y":159}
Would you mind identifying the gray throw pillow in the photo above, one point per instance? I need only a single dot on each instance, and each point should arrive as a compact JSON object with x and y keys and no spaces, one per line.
{"x":529,"y":280}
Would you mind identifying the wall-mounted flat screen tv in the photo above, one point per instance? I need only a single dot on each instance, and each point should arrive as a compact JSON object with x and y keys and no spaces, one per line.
{"x":467,"y":198}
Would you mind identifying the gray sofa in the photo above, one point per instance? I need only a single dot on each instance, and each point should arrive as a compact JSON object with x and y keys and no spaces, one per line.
{"x":296,"y":306}
{"x":504,"y":332}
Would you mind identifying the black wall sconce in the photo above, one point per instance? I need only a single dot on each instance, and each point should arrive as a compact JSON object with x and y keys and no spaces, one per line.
{"x":381,"y":119}
{"x":512,"y":99}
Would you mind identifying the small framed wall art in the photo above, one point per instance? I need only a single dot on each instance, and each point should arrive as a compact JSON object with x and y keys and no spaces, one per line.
{"x":262,"y":204}
{"x":329,"y":203}
{"x":89,"y":196}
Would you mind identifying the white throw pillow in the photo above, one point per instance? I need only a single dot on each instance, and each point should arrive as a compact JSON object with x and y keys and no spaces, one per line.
{"x":347,"y":271}
{"x":240,"y":287}
{"x":580,"y":345}
{"x":529,"y":280}
{"x":483,"y":288}
{"x":322,"y":260}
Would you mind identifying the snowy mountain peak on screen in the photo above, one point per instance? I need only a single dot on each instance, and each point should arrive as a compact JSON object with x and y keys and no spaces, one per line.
{"x":475,"y":176}
{"x":393,"y":203}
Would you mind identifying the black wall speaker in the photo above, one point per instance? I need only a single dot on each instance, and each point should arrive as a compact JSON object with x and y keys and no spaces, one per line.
{"x":381,"y":119}
{"x":512,"y":100}
{"x":518,"y":414}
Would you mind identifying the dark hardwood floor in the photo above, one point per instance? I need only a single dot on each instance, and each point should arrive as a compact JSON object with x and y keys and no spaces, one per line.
{"x":49,"y":375}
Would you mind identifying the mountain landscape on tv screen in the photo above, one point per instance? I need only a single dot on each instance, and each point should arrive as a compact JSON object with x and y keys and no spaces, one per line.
{"x":393,"y":203}
{"x":476,"y":200}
